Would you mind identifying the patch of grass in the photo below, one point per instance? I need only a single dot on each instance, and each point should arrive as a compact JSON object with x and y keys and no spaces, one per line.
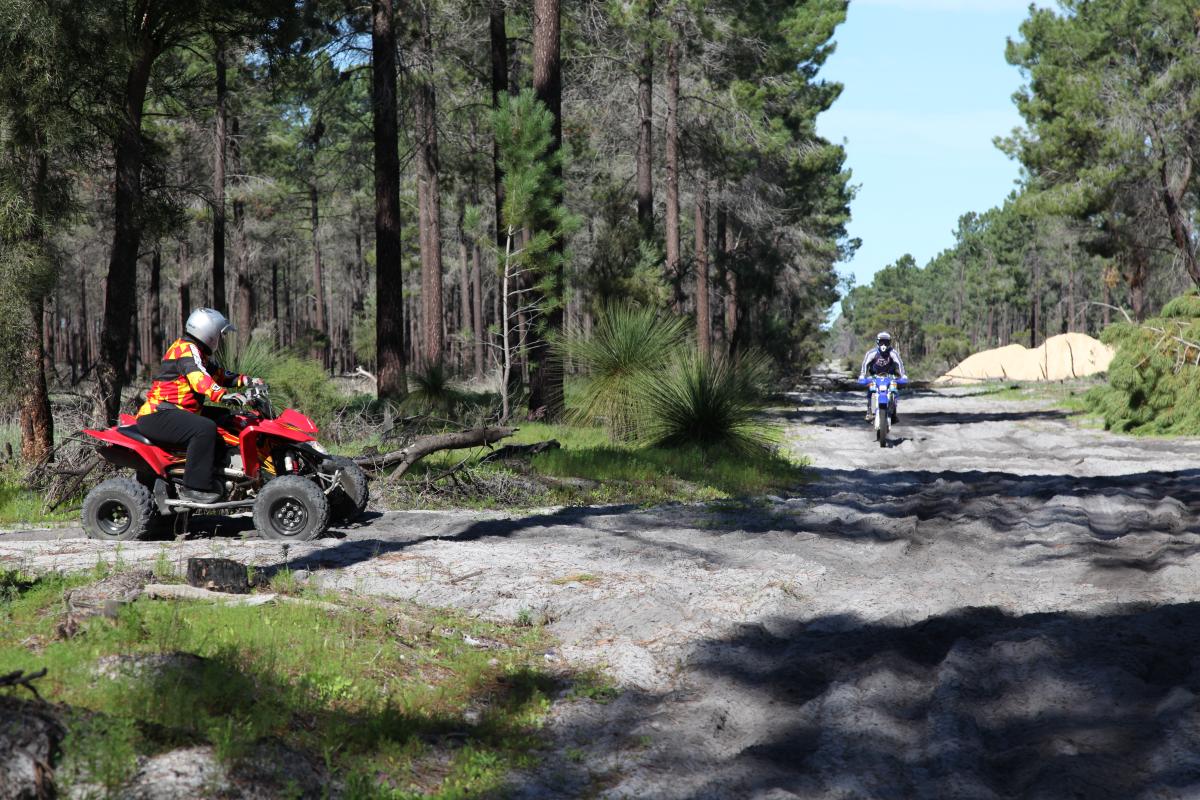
{"x":589,"y":469}
{"x":434,"y":718}
{"x":22,"y":506}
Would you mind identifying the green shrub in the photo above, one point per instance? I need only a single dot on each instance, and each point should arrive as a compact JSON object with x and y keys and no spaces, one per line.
{"x":1153,"y":381}
{"x":627,"y":342}
{"x":710,"y":402}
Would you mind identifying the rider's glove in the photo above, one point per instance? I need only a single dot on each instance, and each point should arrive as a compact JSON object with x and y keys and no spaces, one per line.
{"x":248,"y":381}
{"x":235,"y":398}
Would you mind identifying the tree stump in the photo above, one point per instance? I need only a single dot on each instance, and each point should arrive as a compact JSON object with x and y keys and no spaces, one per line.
{"x":219,"y":575}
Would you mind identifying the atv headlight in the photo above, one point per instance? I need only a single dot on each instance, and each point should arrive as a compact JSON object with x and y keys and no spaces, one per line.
{"x":316,"y":446}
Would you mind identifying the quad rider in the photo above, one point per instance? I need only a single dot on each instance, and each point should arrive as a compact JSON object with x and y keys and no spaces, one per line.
{"x":882,"y":360}
{"x":174,"y":412}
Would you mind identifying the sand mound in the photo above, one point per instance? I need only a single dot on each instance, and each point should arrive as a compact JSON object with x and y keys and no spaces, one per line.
{"x":1069,"y":355}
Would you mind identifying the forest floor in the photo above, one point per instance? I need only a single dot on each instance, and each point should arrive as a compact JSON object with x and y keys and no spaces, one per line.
{"x":1003,"y":603}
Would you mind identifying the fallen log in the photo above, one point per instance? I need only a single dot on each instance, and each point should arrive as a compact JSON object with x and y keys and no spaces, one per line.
{"x":520,"y":450}
{"x":404,"y":458}
{"x":174,"y":591}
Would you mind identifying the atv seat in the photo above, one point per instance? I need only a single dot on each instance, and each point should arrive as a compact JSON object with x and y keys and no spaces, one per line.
{"x":131,"y":432}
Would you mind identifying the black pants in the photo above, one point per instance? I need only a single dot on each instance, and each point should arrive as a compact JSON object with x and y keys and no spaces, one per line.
{"x":197,"y":431}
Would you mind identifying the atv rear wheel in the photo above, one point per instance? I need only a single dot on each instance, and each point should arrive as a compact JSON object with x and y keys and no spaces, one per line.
{"x":348,"y":500}
{"x":291,"y":508}
{"x":118,"y":510}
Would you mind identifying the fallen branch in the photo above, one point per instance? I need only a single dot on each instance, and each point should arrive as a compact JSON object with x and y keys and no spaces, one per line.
{"x":404,"y":459}
{"x":20,"y":678}
{"x":520,"y":451}
{"x":173,"y":591}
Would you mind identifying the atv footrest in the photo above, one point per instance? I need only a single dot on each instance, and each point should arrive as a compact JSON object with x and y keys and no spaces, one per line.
{"x":210,"y":506}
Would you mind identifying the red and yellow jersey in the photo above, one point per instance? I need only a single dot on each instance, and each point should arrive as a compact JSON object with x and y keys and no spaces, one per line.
{"x":186,"y":378}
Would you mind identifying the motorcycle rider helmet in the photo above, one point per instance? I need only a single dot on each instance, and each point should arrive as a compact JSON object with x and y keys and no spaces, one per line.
{"x":207,"y":325}
{"x":883,"y":341}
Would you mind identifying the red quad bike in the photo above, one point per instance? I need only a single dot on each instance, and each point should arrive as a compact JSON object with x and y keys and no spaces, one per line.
{"x":269,"y":463}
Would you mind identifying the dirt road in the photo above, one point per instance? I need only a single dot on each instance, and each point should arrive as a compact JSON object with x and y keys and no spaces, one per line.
{"x":1000,"y":605}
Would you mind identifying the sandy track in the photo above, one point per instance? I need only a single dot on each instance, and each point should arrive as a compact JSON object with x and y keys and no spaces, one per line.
{"x":1001,"y":605}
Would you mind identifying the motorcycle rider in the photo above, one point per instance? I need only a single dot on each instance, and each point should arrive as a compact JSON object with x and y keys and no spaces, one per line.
{"x":883,"y":359}
{"x":174,"y":411}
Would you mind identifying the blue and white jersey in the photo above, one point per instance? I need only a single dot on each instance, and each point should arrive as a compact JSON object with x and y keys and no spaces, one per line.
{"x":877,"y":363}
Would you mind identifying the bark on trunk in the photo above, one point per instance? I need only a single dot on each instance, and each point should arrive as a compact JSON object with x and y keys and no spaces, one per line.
{"x":477,"y":307}
{"x":731,"y":290}
{"x":546,"y":374}
{"x":390,"y":342}
{"x":120,"y":288}
{"x":673,"y":272}
{"x":645,"y":143}
{"x":319,"y":351}
{"x":703,"y":316}
{"x":37,"y":423}
{"x":425,"y":108}
{"x":499,"y":48}
{"x":244,"y":300}
{"x":1178,"y":219}
{"x":1139,"y":268}
{"x":466,"y":328}
{"x":156,"y":331}
{"x":220,"y":138}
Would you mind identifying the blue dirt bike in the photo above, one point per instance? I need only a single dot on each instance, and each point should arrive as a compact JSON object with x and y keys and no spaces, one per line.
{"x":883,"y":389}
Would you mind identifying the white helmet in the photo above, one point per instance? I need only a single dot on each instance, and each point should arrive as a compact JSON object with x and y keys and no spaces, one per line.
{"x":208,"y":325}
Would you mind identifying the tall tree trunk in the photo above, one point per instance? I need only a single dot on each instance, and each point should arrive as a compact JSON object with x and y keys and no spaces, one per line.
{"x":428,"y":167}
{"x":321,"y":322}
{"x":389,"y":278}
{"x":703,"y":316}
{"x":477,"y":307}
{"x":731,"y":289}
{"x":156,"y":332}
{"x":120,"y":289}
{"x":466,"y":329}
{"x":37,"y":422}
{"x":1178,"y":217}
{"x":546,"y":376}
{"x":1035,"y":302}
{"x":244,"y":300}
{"x":673,"y":272}
{"x":499,"y":52}
{"x":185,"y":285}
{"x":1139,"y":268}
{"x":645,"y":143}
{"x":220,"y":138}
{"x":36,"y":419}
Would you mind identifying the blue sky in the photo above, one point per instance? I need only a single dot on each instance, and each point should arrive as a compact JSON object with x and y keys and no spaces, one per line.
{"x":926,"y":89}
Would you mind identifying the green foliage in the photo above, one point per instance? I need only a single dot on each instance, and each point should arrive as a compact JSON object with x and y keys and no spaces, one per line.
{"x":1153,"y":381}
{"x":321,"y":683}
{"x":626,"y":342}
{"x":711,"y":402}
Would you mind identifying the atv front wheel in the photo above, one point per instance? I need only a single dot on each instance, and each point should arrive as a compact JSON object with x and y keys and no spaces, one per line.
{"x":291,"y":508}
{"x":118,"y":510}
{"x":348,"y":500}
